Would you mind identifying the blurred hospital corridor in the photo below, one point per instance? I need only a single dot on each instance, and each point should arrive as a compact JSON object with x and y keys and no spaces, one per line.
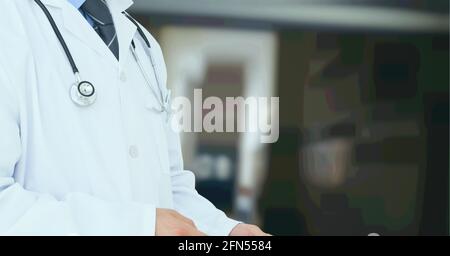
{"x":363,"y":91}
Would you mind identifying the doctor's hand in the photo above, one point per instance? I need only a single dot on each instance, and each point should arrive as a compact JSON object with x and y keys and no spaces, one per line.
{"x":247,"y":230}
{"x":171,"y":223}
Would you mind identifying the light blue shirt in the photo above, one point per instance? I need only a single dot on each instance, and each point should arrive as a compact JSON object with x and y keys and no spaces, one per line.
{"x":77,"y":4}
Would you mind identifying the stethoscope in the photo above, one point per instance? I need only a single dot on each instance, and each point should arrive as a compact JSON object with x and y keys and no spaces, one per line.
{"x":83,"y":93}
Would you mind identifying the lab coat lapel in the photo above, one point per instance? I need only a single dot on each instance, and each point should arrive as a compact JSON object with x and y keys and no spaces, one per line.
{"x":125,"y":29}
{"x":75,"y":24}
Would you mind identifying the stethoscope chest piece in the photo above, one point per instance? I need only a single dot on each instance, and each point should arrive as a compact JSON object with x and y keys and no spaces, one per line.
{"x":83,"y":94}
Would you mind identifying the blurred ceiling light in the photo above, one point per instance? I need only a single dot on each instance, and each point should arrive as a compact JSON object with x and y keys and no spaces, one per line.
{"x":304,"y":13}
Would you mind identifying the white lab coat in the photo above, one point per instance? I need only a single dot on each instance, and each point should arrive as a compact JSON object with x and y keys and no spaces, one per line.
{"x":100,"y":170}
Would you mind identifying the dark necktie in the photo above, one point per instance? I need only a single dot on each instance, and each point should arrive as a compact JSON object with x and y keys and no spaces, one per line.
{"x":103,"y":23}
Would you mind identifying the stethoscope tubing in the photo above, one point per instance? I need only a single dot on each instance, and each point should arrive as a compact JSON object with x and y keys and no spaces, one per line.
{"x":147,"y":79}
{"x":59,"y":36}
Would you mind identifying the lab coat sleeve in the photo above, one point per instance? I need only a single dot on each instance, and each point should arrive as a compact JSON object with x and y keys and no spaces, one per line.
{"x":188,"y":202}
{"x":24,"y":212}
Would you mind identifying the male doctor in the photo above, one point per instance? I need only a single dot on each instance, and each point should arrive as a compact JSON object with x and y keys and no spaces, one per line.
{"x":111,"y":168}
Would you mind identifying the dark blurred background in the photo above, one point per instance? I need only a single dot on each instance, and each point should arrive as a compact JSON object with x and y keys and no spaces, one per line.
{"x":364,"y":112}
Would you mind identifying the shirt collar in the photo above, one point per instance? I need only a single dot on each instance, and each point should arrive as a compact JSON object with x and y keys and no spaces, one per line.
{"x":77,"y":3}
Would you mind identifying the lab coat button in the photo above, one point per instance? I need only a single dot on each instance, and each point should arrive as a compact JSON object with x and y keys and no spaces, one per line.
{"x":123,"y":77}
{"x":134,"y":152}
